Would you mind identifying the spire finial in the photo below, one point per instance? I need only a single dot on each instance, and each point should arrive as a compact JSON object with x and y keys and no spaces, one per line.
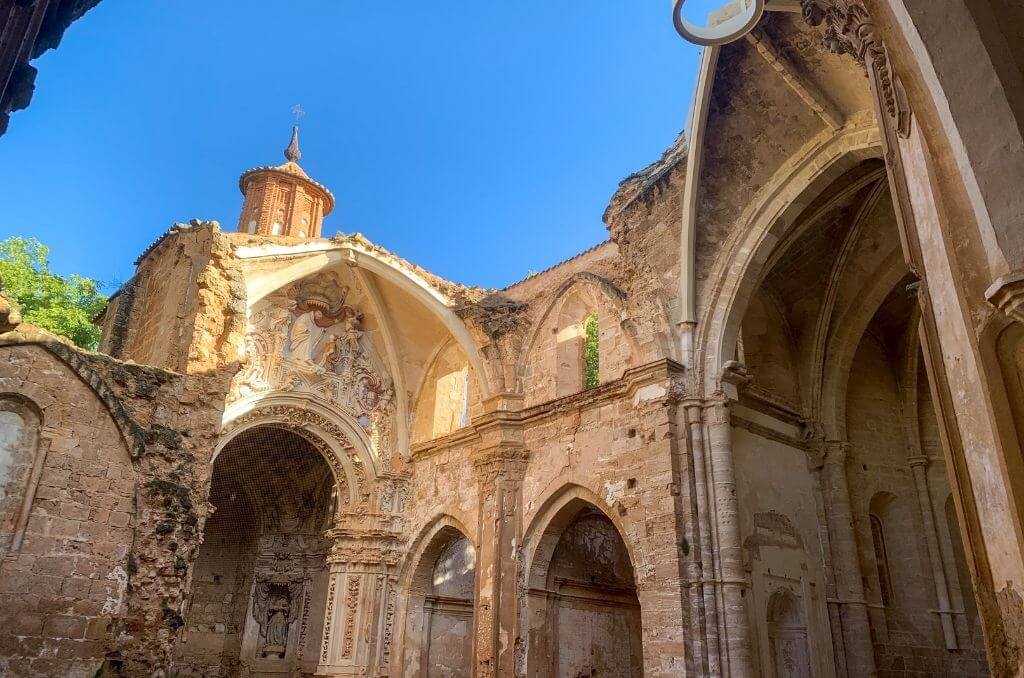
{"x":292,"y":154}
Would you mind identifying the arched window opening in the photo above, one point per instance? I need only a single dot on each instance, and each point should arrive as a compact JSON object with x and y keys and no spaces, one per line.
{"x":12,"y":431}
{"x":881,"y":560}
{"x":591,"y":352}
{"x":19,"y":468}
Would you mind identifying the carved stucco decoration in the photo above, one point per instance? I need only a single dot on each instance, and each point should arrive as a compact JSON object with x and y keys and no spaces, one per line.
{"x":849,"y":29}
{"x":308,"y":339}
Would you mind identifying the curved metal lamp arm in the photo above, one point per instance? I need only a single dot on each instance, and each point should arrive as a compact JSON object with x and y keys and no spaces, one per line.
{"x":731,"y":29}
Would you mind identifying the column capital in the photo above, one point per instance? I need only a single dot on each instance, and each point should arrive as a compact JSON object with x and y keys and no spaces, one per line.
{"x":508,"y":461}
{"x":717,"y":410}
{"x":364,"y":546}
{"x":918,"y":461}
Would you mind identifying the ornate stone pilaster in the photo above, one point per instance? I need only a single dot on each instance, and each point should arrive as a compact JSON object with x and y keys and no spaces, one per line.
{"x":919,"y":467}
{"x":499,"y":472}
{"x":361,"y":595}
{"x":853,"y":612}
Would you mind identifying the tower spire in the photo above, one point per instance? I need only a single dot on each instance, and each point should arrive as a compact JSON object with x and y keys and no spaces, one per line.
{"x":292,"y":154}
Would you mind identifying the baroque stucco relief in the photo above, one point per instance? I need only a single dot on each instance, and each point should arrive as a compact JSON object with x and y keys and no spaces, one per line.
{"x":309,"y":338}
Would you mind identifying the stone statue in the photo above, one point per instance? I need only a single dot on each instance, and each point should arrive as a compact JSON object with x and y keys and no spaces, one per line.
{"x":277,"y":628}
{"x":274,"y":611}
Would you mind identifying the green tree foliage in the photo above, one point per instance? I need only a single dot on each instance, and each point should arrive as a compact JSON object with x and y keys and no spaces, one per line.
{"x":591,"y":352}
{"x":64,"y":305}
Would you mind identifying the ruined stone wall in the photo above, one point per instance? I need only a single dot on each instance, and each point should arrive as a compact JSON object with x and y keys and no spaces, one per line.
{"x":644,"y":221}
{"x":113,"y":502}
{"x":152,"y":319}
{"x":65,"y":565}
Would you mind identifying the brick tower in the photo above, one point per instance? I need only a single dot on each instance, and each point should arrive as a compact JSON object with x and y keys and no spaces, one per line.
{"x":283,"y":200}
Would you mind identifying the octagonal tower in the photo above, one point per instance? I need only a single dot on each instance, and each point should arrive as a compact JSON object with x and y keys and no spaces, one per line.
{"x":283,"y":200}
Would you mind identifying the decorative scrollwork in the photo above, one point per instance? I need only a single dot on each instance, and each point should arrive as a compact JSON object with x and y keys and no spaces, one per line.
{"x":309,"y":339}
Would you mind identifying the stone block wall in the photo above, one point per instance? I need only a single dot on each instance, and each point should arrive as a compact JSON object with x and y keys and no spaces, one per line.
{"x":65,"y":564}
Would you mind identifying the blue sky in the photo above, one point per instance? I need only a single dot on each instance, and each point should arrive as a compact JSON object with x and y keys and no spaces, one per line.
{"x":480,"y":139}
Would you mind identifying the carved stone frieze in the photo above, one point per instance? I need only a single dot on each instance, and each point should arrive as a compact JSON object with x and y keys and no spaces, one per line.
{"x":503,"y":461}
{"x":325,"y":646}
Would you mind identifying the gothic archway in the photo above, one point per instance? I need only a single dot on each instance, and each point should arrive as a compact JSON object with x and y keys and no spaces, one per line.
{"x":582,"y":612}
{"x":440,"y":605}
{"x":260,"y":580}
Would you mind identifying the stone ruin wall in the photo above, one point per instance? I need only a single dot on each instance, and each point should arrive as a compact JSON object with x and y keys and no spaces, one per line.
{"x":118,"y":474}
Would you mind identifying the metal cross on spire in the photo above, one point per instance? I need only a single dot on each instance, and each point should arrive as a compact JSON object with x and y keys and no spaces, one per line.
{"x":292,"y":154}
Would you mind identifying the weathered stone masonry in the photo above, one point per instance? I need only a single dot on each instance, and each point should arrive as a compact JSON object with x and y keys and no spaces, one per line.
{"x":795,"y":454}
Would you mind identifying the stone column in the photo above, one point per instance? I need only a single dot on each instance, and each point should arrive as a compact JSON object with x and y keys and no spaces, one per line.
{"x":853,"y":611}
{"x":731,"y":574}
{"x":360,"y":598}
{"x":919,"y":466}
{"x":815,"y":464}
{"x":500,"y":472}
{"x":706,"y":603}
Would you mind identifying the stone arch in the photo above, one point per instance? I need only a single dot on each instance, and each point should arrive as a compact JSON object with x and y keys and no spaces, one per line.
{"x":767,"y":220}
{"x":843,"y":344}
{"x":608,"y":291}
{"x":836,"y":279}
{"x":580,"y":611}
{"x":437,"y":616}
{"x":461,"y":406}
{"x":581,"y":295}
{"x":360,"y":253}
{"x":326,"y":430}
{"x":134,"y":435}
{"x":258,"y":589}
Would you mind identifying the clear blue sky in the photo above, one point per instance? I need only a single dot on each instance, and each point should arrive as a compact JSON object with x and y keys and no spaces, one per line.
{"x":480,"y":139}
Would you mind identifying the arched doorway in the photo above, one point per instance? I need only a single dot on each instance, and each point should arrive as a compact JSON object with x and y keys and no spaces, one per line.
{"x":260,"y":579}
{"x":583,"y":614}
{"x":787,"y":634}
{"x":439,"y":622}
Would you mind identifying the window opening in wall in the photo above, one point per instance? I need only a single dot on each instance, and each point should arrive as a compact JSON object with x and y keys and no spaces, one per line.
{"x":881,"y":560}
{"x":591,"y":352}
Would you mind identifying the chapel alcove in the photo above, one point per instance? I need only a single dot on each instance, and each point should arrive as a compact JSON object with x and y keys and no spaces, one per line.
{"x":259,"y":588}
{"x":787,"y":634}
{"x":439,"y":625}
{"x":582,"y":607}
